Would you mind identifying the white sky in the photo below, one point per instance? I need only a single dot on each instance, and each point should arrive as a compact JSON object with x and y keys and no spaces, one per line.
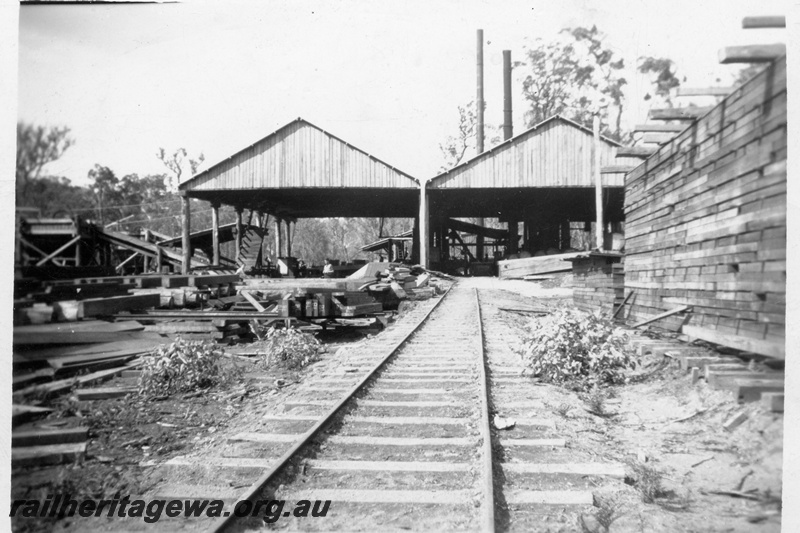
{"x":384,"y":76}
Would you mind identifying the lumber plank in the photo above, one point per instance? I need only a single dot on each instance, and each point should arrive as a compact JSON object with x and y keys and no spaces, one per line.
{"x":754,"y":53}
{"x":636,"y":151}
{"x":52,"y":454}
{"x":764,"y":22}
{"x":773,"y":401}
{"x":255,"y":303}
{"x":111,"y":349}
{"x":529,"y":266}
{"x":677,"y":128}
{"x":746,"y":344}
{"x":616,"y":169}
{"x":103,"y":393}
{"x":678,"y":113}
{"x":704,"y":91}
{"x":750,"y":390}
{"x":41,"y":436}
{"x":20,"y":413}
{"x":27,"y":378}
{"x":64,"y":385}
{"x":665,"y":314}
{"x":658,"y":138}
{"x":115,"y":304}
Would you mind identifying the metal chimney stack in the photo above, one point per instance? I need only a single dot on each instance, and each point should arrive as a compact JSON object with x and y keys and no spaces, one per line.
{"x":479,"y":104}
{"x":508,"y":127}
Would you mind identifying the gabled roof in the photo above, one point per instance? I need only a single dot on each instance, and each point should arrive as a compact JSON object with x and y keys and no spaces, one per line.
{"x":534,"y":131}
{"x":267,"y":164}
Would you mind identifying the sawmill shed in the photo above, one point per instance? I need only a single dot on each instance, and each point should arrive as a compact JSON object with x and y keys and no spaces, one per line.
{"x":706,"y":221}
{"x":299,"y":171}
{"x":542,"y":178}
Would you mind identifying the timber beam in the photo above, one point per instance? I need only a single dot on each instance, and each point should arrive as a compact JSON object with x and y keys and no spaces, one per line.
{"x":616,"y":169}
{"x":678,"y":113}
{"x":763,"y":22}
{"x":657,"y":138}
{"x":704,"y":91}
{"x":636,"y":151}
{"x":659,"y":128}
{"x":754,"y":53}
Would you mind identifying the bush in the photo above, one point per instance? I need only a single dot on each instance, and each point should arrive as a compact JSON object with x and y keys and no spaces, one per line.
{"x":184,"y":366}
{"x":582,"y":349}
{"x":289,"y":348}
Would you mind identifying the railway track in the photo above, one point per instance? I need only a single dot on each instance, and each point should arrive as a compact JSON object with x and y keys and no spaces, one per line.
{"x":401,"y":440}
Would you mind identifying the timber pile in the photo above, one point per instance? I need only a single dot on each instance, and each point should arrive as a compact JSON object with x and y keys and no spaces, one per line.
{"x":532,"y":266}
{"x":403,"y":282}
{"x":748,"y":382}
{"x":40,"y":302}
{"x":598,"y":281}
{"x":706,"y":222}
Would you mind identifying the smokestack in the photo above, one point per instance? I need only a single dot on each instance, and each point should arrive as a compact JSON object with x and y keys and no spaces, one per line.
{"x":508,"y":127}
{"x":479,"y":105}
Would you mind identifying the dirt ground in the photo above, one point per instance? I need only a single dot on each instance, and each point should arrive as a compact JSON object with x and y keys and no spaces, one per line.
{"x":684,"y":471}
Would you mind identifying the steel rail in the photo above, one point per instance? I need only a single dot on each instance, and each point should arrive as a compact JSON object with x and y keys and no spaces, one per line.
{"x":487,"y":514}
{"x":276,"y":467}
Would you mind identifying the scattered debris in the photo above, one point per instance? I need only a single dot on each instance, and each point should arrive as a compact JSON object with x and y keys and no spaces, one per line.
{"x":504,"y":423}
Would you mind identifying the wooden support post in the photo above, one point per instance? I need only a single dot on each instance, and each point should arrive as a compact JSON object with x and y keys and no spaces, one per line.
{"x":186,"y":228}
{"x":278,"y":239}
{"x":566,"y":237}
{"x":513,"y":236}
{"x":239,"y":230}
{"x":159,"y":259}
{"x":479,"y":253}
{"x":598,"y":184}
{"x":423,"y":225}
{"x":288,"y":238}
{"x":215,"y":234}
{"x":146,"y":258}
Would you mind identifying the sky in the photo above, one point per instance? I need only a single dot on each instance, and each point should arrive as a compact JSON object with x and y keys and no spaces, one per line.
{"x":387,"y":77}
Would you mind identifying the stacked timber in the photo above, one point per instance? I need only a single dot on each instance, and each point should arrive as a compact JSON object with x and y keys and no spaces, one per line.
{"x":706,"y":222}
{"x":598,"y":281}
{"x":531,"y":266}
{"x":403,"y":282}
{"x":39,"y":302}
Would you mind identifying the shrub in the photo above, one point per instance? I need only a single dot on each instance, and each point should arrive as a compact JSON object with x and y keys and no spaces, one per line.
{"x":184,"y":366}
{"x":289,"y":348}
{"x":577,"y":347}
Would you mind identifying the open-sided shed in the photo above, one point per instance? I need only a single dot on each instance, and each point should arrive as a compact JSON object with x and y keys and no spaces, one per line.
{"x":542,"y":177}
{"x":302,"y":171}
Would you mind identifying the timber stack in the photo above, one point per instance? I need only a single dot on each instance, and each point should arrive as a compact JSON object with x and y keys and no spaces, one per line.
{"x":706,"y":222}
{"x":598,"y":281}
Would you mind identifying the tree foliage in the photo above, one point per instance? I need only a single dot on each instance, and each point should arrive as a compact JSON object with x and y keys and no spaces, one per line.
{"x":457,"y":147}
{"x":176,"y":162}
{"x":663,"y":77}
{"x":37,"y":146}
{"x":575,"y":76}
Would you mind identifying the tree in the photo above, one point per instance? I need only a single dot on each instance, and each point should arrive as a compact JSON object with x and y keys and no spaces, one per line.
{"x":56,"y":197}
{"x":663,"y":77}
{"x":107,"y":197}
{"x":575,"y":76}
{"x":455,"y":147}
{"x":37,"y":146}
{"x":176,"y":163}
